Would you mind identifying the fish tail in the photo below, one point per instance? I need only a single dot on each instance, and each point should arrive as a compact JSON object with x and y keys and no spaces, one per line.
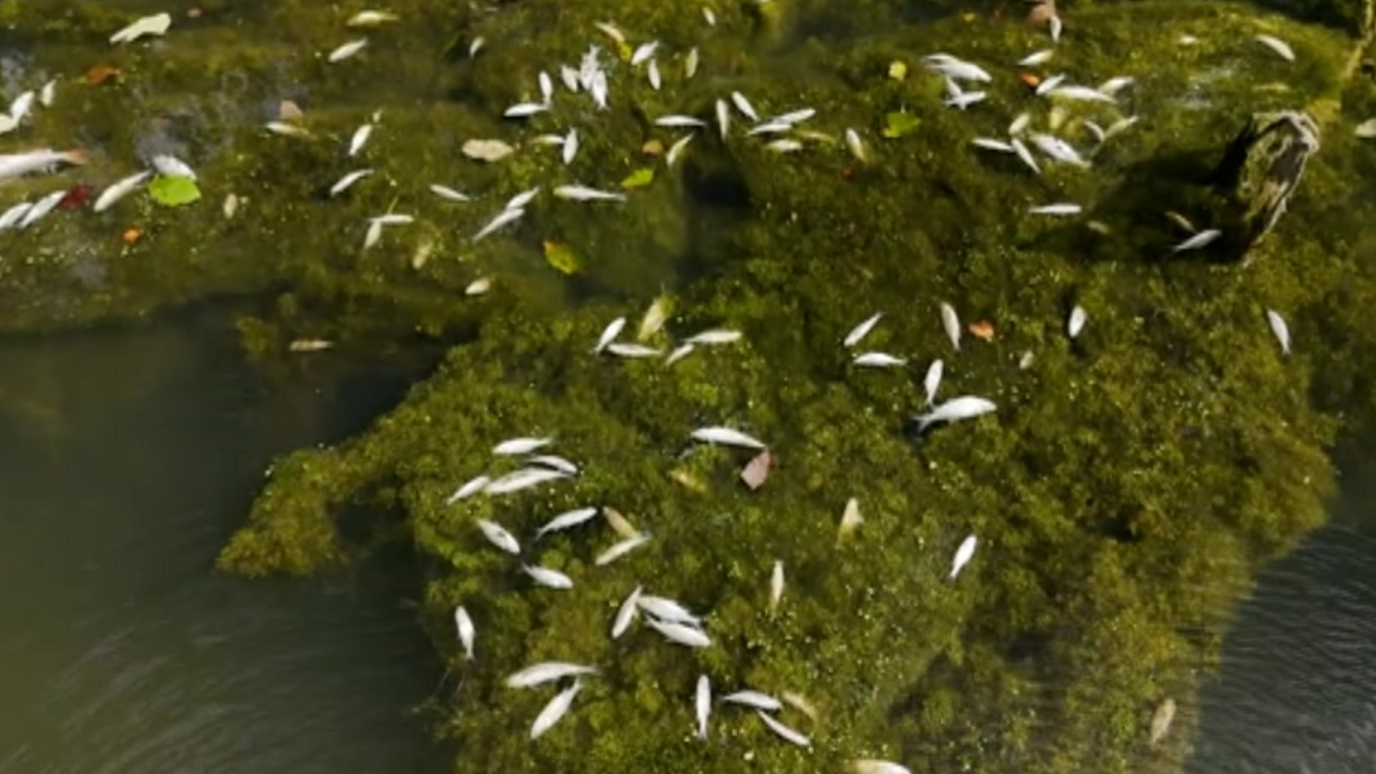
{"x":76,"y":156}
{"x":922,"y":422}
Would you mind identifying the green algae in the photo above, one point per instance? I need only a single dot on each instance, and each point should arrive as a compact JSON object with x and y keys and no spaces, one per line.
{"x":1124,"y":494}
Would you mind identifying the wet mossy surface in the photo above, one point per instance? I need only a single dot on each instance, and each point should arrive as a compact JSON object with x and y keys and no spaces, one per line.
{"x":1124,"y":494}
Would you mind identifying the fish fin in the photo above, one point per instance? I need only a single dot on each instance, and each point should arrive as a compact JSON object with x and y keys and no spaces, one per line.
{"x":76,"y":156}
{"x":922,"y":422}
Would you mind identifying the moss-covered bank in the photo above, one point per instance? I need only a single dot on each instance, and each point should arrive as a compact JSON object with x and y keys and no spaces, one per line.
{"x":1125,"y":492}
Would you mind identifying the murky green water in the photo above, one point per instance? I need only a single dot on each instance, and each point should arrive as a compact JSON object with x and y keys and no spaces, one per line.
{"x":126,"y":458}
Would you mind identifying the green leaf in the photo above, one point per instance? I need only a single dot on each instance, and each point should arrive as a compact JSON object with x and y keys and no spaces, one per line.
{"x":899,"y":124}
{"x":173,"y":191}
{"x":561,"y":257}
{"x":639,"y":178}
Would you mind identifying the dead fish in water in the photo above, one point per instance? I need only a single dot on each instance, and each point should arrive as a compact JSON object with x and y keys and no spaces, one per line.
{"x":548,"y":578}
{"x":1059,"y":208}
{"x":525,"y":110}
{"x":567,"y":520}
{"x":643,"y":52}
{"x":850,"y":518}
{"x":951,"y":323}
{"x":878,"y":360}
{"x":119,"y":190}
{"x":168,"y":165}
{"x":680,"y":352}
{"x":525,"y":478}
{"x":148,"y":25}
{"x":743,"y":105}
{"x":547,"y":672}
{"x":445,"y":192}
{"x":348,"y":180}
{"x":1280,"y":330}
{"x":680,"y":634}
{"x":1076,"y":323}
{"x":499,"y":537}
{"x":310,"y":345}
{"x":726,"y":436}
{"x":755,"y":700}
{"x":570,"y":148}
{"x":856,"y":146}
{"x":347,"y":50}
{"x":715,"y":336}
{"x":776,"y":586}
{"x":954,"y":410}
{"x":472,"y":487}
{"x":360,"y":139}
{"x":1199,"y":240}
{"x":626,"y":613}
{"x":553,"y":712}
{"x":609,"y":334}
{"x":1058,"y":150}
{"x":862,"y":330}
{"x":620,"y":524}
{"x":370,"y":19}
{"x":464,"y":624}
{"x":993,"y":145}
{"x":582,"y":193}
{"x":623,"y":349}
{"x":784,"y":731}
{"x":41,"y":208}
{"x":1161,"y":720}
{"x":964,"y":554}
{"x":1037,"y":58}
{"x":1277,"y":45}
{"x":932,"y":381}
{"x":518,"y":446}
{"x":668,"y":610}
{"x":679,"y":121}
{"x":876,"y":766}
{"x":504,"y":218}
{"x":703,"y":705}
{"x":620,"y":549}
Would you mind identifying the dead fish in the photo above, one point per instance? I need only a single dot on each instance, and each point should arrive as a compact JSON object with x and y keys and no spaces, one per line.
{"x":690,"y":64}
{"x":486,"y":150}
{"x":478,"y":287}
{"x":680,"y":352}
{"x":726,"y":436}
{"x":951,"y":323}
{"x":965,"y":99}
{"x":932,"y":380}
{"x":856,"y":147}
{"x":360,"y":138}
{"x":288,"y":130}
{"x":964,"y":553}
{"x":348,"y":180}
{"x":566,"y":520}
{"x":878,"y":360}
{"x":445,"y":192}
{"x":119,"y":190}
{"x":620,"y":549}
{"x":798,"y":702}
{"x":370,"y":18}
{"x":553,"y":712}
{"x":1059,"y":208}
{"x":784,"y":731}
{"x":472,"y":487}
{"x":148,"y":25}
{"x":347,"y":50}
{"x":583,"y":193}
{"x":1019,"y":124}
{"x":679,"y":121}
{"x":776,"y":586}
{"x":626,"y":613}
{"x":954,"y":410}
{"x":13,"y":215}
{"x":520,"y":200}
{"x":48,"y":93}
{"x":850,"y":518}
{"x":525,"y":110}
{"x":652,"y":73}
{"x":1280,"y":330}
{"x":1161,"y":720}
{"x":1024,"y":154}
{"x":373,"y":234}
{"x":609,"y":334}
{"x":546,"y":87}
{"x":504,"y":218}
{"x":619,"y":523}
{"x":310,"y":345}
{"x":519,"y":446}
{"x":1277,"y":45}
{"x":654,"y":318}
{"x":499,"y":537}
{"x":1081,"y":94}
{"x":1199,"y":240}
{"x":1037,"y":58}
{"x":466,"y":631}
{"x":168,"y":165}
{"x":667,"y":609}
{"x":1058,"y":150}
{"x":555,"y":462}
{"x":743,"y":105}
{"x":723,"y":117}
{"x":1116,"y":84}
{"x":15,"y":165}
{"x":703,"y":705}
{"x":1077,"y":321}
{"x":643,"y":52}
{"x":570,"y":146}
{"x":627,"y":350}
{"x":548,"y":578}
{"x":525,"y":478}
{"x":755,"y":700}
{"x":993,"y":145}
{"x":757,"y":470}
{"x":547,"y":672}
{"x":715,"y":336}
{"x":876,"y":766}
{"x":862,"y":330}
{"x":676,"y":150}
{"x":41,"y":208}
{"x":680,"y":634}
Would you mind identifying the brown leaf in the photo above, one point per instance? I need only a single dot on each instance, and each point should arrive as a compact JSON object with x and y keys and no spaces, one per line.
{"x":100,"y":74}
{"x":757,"y":470}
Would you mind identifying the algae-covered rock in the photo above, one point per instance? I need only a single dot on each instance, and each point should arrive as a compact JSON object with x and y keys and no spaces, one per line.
{"x":1263,"y":166}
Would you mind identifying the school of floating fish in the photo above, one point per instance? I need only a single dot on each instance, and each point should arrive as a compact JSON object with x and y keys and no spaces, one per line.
{"x":592,"y":78}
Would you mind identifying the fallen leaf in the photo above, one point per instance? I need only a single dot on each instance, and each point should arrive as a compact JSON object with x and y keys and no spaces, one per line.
{"x":130,"y":236}
{"x":898,"y":70}
{"x":639,"y":178}
{"x":100,"y":74}
{"x":757,"y":470}
{"x":899,"y":123}
{"x":173,"y":191}
{"x":561,"y":257}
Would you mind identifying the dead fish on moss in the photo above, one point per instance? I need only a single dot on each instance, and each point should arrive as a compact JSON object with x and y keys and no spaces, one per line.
{"x":715,"y":336}
{"x":932,"y":381}
{"x":1279,"y":329}
{"x":168,"y":165}
{"x":1161,"y":721}
{"x":993,"y":145}
{"x":583,"y":193}
{"x":360,"y":138}
{"x":668,"y":610}
{"x":370,"y":19}
{"x":620,"y":549}
{"x":626,"y":613}
{"x":609,"y":334}
{"x":119,"y":190}
{"x":703,"y":705}
{"x":552,"y":579}
{"x":348,"y":180}
{"x":525,"y":478}
{"x":954,"y":410}
{"x":633,"y":351}
{"x":467,"y":633}
{"x":472,"y":487}
{"x":680,"y":634}
{"x":555,"y":462}
{"x":776,"y":586}
{"x":525,"y":110}
{"x":310,"y":345}
{"x":950,"y":321}
{"x":557,"y":708}
{"x":964,"y":554}
{"x":784,"y":732}
{"x":1059,"y":208}
{"x":754,"y":699}
{"x":518,"y":446}
{"x":862,"y":330}
{"x":445,"y":192}
{"x":1199,"y":241}
{"x":547,"y":672}
{"x":499,"y":537}
{"x":680,"y":352}
{"x":1058,"y":150}
{"x":725,"y":436}
{"x":41,"y":208}
{"x":503,"y":219}
{"x":680,"y":121}
{"x":876,"y":766}
{"x":157,"y":24}
{"x":1076,"y":323}
{"x":288,"y":130}
{"x":878,"y":360}
{"x":566,"y":520}
{"x":956,"y":69}
{"x":1280,"y":47}
{"x":619,"y":523}
{"x":347,"y":50}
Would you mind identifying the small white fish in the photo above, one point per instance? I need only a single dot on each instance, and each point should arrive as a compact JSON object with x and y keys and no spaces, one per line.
{"x":547,"y":672}
{"x":690,"y":64}
{"x":856,"y":146}
{"x":726,"y":436}
{"x":637,"y":351}
{"x":393,"y":219}
{"x":47,"y":94}
{"x":1023,"y":153}
{"x":769,"y":127}
{"x":609,"y":334}
{"x":620,"y":549}
{"x":499,"y":537}
{"x":1058,"y":150}
{"x":611,"y":31}
{"x":582,"y":193}
{"x":519,"y":446}
{"x":776,"y":586}
{"x":570,"y":78}
{"x":374,"y":233}
{"x":619,"y":523}
{"x":472,"y":487}
{"x":546,"y":87}
{"x":504,"y":218}
{"x":626,"y":613}
{"x":445,"y":192}
{"x":723,"y":117}
{"x":715,"y":336}
{"x":1277,"y":45}
{"x":785,"y":145}
{"x":1038,"y":58}
{"x":703,"y":705}
{"x":476,"y":46}
{"x":467,"y":632}
{"x":347,"y":50}
{"x":19,"y":108}
{"x":1055,"y":27}
{"x":478,"y":287}
{"x":742,"y":104}
{"x":680,"y":634}
{"x":1280,"y":329}
{"x":1077,"y":321}
{"x":360,"y":138}
{"x":652,"y":73}
{"x":1081,"y":94}
{"x":41,"y":208}
{"x":1116,"y":84}
{"x":525,"y":110}
{"x":954,"y":410}
{"x":1019,"y":124}
{"x":548,"y":578}
{"x":676,"y":150}
{"x":862,"y":330}
{"x":520,"y":200}
{"x":951,"y":323}
{"x":795,"y":116}
{"x":525,"y":478}
{"x":784,"y":731}
{"x":288,"y":130}
{"x":567,"y":520}
{"x":1117,"y":127}
{"x":555,"y":462}
{"x":13,"y":215}
{"x":553,"y":712}
{"x":370,"y":19}
{"x":666,"y":609}
{"x":680,"y":352}
{"x":876,"y":766}
{"x":754,"y":699}
{"x":932,"y":381}
{"x":1059,"y":208}
{"x":965,"y":100}
{"x":171,"y":166}
{"x":993,"y":145}
{"x":348,"y":180}
{"x":677,"y":121}
{"x":1199,"y":240}
{"x":879,"y":360}
{"x":119,"y":190}
{"x":964,"y":553}
{"x":643,"y":52}
{"x":709,"y":17}
{"x":148,"y":25}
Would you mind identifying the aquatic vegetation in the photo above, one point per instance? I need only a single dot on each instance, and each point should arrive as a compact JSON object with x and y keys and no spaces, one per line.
{"x":1137,"y":471}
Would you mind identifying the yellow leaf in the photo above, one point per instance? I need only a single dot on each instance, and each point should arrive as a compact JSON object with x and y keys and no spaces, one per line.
{"x":639,"y":178}
{"x":561,"y":257}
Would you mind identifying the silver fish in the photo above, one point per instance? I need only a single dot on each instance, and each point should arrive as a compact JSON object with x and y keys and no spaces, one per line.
{"x":547,"y":672}
{"x":41,"y":208}
{"x":742,"y":104}
{"x":964,"y":407}
{"x":715,"y":336}
{"x":1059,"y":208}
{"x":520,"y":200}
{"x":680,"y":634}
{"x":1199,"y":240}
{"x":668,"y":610}
{"x":519,"y":446}
{"x":964,"y":554}
{"x":876,"y":766}
{"x":754,"y":699}
{"x":525,"y":478}
{"x":570,"y":146}
{"x":348,"y":180}
{"x":582,"y":193}
{"x":676,"y":121}
{"x":620,"y":549}
{"x":623,"y":349}
{"x":951,"y":323}
{"x":171,"y":166}
{"x":499,"y":537}
{"x":626,"y":613}
{"x":1077,"y":321}
{"x":784,"y":731}
{"x":566,"y":520}
{"x":548,"y":578}
{"x":360,"y":138}
{"x":726,"y":436}
{"x":445,"y":192}
{"x":993,"y":145}
{"x":504,"y":218}
{"x":609,"y":334}
{"x":933,"y":379}
{"x":555,"y":462}
{"x":862,"y":330}
{"x":467,"y":632}
{"x":1280,"y":329}
{"x":1277,"y":45}
{"x":119,"y":190}
{"x":1038,"y":58}
{"x":553,"y":712}
{"x":643,"y":52}
{"x":1058,"y":150}
{"x":878,"y":360}
{"x":703,"y":705}
{"x":652,"y":73}
{"x":347,"y":50}
{"x":469,"y":489}
{"x":1024,"y":154}
{"x":680,"y":352}
{"x":525,"y":110}
{"x":14,"y":214}
{"x":776,"y":586}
